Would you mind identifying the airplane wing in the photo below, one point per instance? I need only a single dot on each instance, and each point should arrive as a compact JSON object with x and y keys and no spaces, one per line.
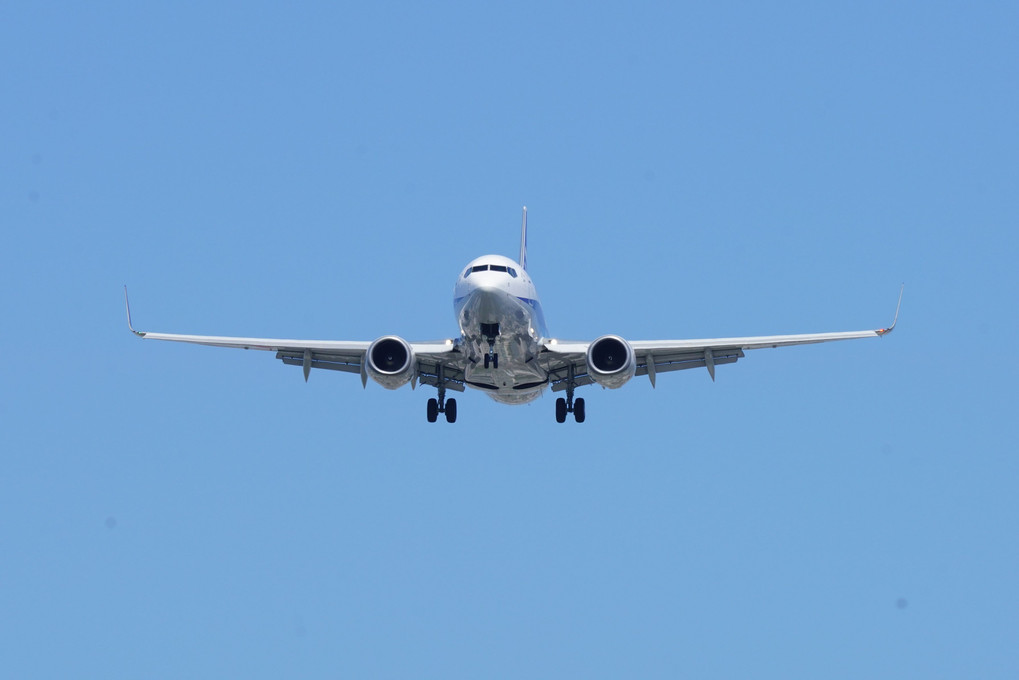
{"x":436,"y":361}
{"x":661,"y":356}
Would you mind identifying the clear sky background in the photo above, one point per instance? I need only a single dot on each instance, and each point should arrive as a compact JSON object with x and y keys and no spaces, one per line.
{"x":691,"y":170}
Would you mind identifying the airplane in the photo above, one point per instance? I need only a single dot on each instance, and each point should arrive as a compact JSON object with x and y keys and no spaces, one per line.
{"x":505,"y":349}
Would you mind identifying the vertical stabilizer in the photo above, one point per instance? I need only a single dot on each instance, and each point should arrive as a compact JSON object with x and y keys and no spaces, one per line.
{"x":523,"y":241}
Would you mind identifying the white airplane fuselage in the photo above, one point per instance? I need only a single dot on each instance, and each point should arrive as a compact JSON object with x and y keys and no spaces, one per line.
{"x":502,"y":327}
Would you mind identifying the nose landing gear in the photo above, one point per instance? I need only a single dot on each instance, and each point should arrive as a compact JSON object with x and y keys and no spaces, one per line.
{"x":490,"y":331}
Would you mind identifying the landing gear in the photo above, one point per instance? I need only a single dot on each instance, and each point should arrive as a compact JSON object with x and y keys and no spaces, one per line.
{"x":568,"y":405}
{"x":441,"y":405}
{"x":560,"y":410}
{"x":490,"y":331}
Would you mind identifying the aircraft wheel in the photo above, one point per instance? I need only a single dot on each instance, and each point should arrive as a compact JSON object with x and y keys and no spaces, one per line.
{"x":487,"y":359}
{"x":495,"y":361}
{"x":433,"y":410}
{"x":578,"y":410}
{"x":451,"y":410}
{"x":560,"y":410}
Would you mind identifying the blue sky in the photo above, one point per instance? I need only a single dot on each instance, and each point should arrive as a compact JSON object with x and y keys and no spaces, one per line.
{"x":325,"y":171}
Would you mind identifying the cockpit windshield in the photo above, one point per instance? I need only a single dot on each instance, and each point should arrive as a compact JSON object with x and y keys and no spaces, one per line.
{"x":491,"y":267}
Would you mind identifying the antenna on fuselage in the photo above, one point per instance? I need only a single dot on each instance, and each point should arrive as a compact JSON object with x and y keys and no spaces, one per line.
{"x":523,"y":241}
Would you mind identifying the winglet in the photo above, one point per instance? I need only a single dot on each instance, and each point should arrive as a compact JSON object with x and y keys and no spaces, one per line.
{"x":885,"y":331}
{"x":523,"y":241}
{"x":127,"y":304}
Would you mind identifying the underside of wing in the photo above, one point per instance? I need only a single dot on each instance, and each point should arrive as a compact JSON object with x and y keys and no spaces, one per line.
{"x":570,"y":363}
{"x":442,"y":369}
{"x":566,"y":361}
{"x":649,"y":362}
{"x":430,"y":362}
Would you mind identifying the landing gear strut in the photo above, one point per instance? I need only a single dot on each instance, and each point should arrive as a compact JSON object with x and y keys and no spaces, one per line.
{"x":441,"y":405}
{"x":569,"y":405}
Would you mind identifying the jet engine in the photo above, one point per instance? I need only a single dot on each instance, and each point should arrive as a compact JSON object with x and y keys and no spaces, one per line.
{"x":610,"y":361}
{"x":390,"y":362}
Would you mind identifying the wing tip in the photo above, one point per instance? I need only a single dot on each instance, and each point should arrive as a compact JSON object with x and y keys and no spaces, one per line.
{"x":127,"y":305}
{"x":895,"y":320}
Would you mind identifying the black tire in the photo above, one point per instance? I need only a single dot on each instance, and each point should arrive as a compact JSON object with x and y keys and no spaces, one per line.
{"x":451,"y":410}
{"x":578,"y":410}
{"x":433,"y":410}
{"x":495,"y":361}
{"x":560,"y":410}
{"x":487,"y":358}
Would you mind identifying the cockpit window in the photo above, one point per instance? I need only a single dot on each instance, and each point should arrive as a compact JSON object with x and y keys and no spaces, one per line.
{"x":491,"y":267}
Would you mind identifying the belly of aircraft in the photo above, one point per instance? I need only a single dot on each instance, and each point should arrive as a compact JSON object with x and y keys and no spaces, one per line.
{"x":518,"y":378}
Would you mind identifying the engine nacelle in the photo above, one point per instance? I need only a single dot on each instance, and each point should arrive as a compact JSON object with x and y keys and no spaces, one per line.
{"x":610,"y":361}
{"x":390,"y":362}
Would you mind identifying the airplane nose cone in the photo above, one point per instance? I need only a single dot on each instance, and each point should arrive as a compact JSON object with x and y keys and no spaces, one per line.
{"x":486,"y":307}
{"x":486,"y":287}
{"x":485,"y":303}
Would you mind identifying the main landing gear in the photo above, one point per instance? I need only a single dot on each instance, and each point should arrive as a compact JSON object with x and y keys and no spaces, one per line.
{"x":435,"y":407}
{"x":569,"y":405}
{"x":441,"y":405}
{"x":562,"y":407}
